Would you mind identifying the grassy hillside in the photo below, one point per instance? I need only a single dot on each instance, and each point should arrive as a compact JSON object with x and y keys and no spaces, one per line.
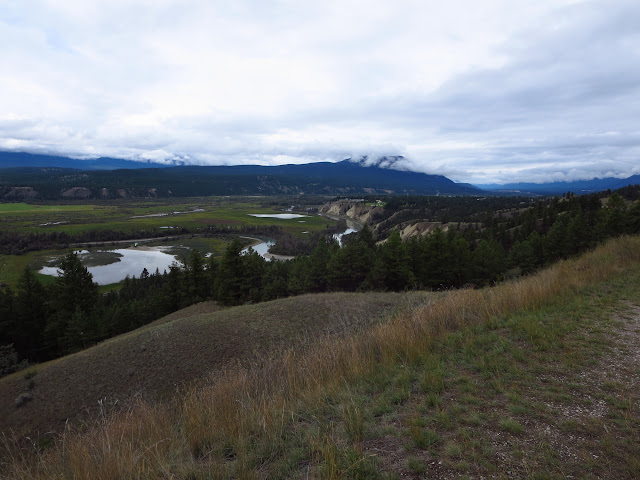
{"x":153,"y":361}
{"x":536,"y":378}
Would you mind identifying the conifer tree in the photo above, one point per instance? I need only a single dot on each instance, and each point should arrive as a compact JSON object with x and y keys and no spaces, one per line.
{"x":31,"y":314}
{"x":414,"y":250}
{"x":556,"y":242}
{"x":196,"y":277}
{"x":488,"y":261}
{"x":229,"y":281}
{"x":317,"y":274}
{"x":275,"y":280}
{"x":7,"y":320}
{"x":537,"y":245}
{"x":297,"y":280}
{"x":74,"y":286}
{"x":615,"y":215}
{"x":74,"y":294}
{"x":460,"y":262}
{"x":436,"y":260}
{"x":253,"y":267}
{"x":579,"y":235}
{"x":350,"y":265}
{"x":391,"y":269}
{"x":522,"y":256}
{"x":366,"y":235}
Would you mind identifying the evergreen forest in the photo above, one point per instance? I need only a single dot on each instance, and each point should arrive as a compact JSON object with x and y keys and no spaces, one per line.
{"x":40,"y":322}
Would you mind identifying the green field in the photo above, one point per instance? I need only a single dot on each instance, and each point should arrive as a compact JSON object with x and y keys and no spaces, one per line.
{"x":12,"y":266}
{"x":139,"y":215}
{"x":145,"y":215}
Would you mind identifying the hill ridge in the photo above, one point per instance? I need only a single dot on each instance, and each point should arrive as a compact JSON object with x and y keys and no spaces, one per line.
{"x":322,"y":178}
{"x":154,"y":360}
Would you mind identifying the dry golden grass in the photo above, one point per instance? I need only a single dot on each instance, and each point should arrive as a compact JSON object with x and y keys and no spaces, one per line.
{"x":153,"y":361}
{"x":237,"y":423}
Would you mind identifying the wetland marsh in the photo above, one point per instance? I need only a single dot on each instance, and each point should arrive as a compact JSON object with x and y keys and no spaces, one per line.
{"x":165,"y":230}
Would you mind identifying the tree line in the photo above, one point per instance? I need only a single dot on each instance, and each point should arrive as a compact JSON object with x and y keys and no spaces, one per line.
{"x":43,"y":322}
{"x":19,"y":243}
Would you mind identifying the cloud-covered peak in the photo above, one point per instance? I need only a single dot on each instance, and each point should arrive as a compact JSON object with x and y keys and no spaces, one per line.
{"x":394,"y":162}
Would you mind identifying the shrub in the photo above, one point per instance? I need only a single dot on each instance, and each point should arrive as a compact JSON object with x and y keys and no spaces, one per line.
{"x":9,"y":360}
{"x":22,"y":399}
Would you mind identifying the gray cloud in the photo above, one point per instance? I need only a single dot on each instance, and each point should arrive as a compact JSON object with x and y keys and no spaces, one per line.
{"x":478,"y":91}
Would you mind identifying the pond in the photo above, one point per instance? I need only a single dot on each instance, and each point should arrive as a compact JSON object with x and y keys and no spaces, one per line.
{"x":281,"y":216}
{"x":149,"y":215}
{"x":121,"y":263}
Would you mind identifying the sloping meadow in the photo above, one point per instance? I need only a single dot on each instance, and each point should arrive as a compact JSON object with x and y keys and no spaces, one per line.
{"x":269,"y":420}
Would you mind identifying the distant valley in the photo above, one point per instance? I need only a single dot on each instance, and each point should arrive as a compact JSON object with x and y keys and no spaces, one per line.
{"x":579,"y":187}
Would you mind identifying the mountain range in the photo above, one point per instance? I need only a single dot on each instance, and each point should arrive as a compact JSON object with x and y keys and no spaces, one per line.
{"x":28,"y":160}
{"x":43,"y":177}
{"x":579,"y":187}
{"x":25,"y":175}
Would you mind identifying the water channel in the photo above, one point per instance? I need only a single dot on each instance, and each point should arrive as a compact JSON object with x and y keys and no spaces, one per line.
{"x":123,"y":262}
{"x":112,"y":266}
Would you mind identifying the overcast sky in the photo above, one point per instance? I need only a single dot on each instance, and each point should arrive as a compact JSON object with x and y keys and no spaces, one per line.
{"x":478,"y":90}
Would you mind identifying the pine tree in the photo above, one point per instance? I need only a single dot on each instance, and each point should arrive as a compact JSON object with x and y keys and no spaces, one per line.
{"x":556,"y":244}
{"x":488,"y":262}
{"x":537,"y":245}
{"x":74,"y":293}
{"x":633,"y":223}
{"x":253,"y":267}
{"x":74,"y":286}
{"x":391,"y":269}
{"x":579,"y":235}
{"x":615,"y":216}
{"x":7,"y":319}
{"x":196,"y":277}
{"x":298,"y":279}
{"x":275,"y":280}
{"x":173,"y":291}
{"x":460,"y":262}
{"x":211,"y":271}
{"x":31,"y":314}
{"x":414,"y":250}
{"x":436,"y":260}
{"x":522,"y":256}
{"x":349,"y":266}
{"x":77,"y":333}
{"x":317,"y":274}
{"x":366,"y":235}
{"x":230,"y":279}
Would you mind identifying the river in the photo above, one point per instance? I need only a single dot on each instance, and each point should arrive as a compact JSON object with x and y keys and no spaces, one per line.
{"x":264,"y":244}
{"x":115,"y":265}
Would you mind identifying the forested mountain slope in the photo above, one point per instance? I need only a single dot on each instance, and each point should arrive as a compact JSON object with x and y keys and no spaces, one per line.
{"x":341,"y":178}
